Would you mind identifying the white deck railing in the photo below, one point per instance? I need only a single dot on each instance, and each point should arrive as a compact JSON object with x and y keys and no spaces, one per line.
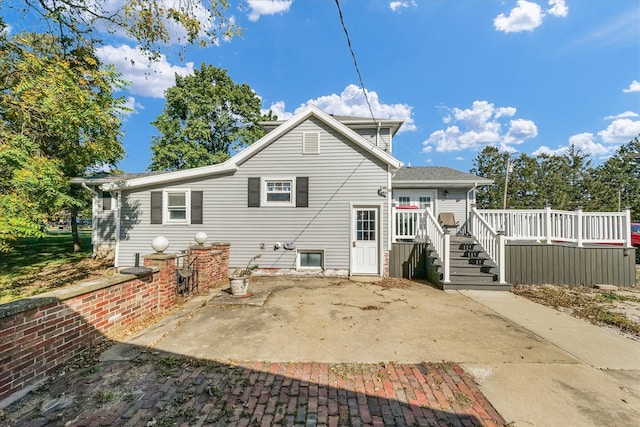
{"x":421,"y":224}
{"x":550,"y":225}
{"x":491,"y":228}
{"x":490,"y":240}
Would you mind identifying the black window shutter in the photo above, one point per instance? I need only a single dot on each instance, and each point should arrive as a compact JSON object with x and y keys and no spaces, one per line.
{"x":196,"y":207}
{"x":156,"y":207}
{"x":106,"y":201}
{"x":253,"y":193}
{"x":302,"y":192}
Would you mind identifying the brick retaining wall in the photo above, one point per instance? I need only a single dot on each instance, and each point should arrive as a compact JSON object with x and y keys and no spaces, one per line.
{"x":39,"y":333}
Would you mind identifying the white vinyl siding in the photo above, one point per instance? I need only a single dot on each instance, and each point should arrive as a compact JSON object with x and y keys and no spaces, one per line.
{"x":341,"y":174}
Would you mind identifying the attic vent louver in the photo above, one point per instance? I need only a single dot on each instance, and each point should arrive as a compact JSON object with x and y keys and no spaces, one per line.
{"x":311,"y":143}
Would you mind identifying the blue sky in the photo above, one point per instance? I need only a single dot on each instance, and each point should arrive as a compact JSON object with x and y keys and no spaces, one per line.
{"x":529,"y":76}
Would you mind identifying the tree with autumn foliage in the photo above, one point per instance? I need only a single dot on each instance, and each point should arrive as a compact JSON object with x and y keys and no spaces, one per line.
{"x":59,"y":118}
{"x":151,"y":23}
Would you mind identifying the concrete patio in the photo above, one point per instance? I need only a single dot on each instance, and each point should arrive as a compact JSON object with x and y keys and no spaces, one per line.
{"x":534,"y":365}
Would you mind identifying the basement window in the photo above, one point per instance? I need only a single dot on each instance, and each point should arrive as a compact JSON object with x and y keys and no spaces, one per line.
{"x":311,"y":259}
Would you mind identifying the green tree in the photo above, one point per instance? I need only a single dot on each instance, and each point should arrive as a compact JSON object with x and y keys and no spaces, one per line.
{"x":617,"y":181}
{"x":206,"y":117}
{"x":150,"y":22}
{"x":491,"y":163}
{"x":59,"y":117}
{"x":523,"y":189}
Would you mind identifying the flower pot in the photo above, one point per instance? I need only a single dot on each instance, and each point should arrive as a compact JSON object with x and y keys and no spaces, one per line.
{"x":239,"y":285}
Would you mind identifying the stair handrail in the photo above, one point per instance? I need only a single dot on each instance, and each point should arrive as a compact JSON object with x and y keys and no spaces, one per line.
{"x":490,"y":240}
{"x":440,"y":239}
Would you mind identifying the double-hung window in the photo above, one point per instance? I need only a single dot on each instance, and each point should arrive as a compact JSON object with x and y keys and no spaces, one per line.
{"x":176,"y":206}
{"x":404,"y":201}
{"x":278,"y":191}
{"x":425,"y":202}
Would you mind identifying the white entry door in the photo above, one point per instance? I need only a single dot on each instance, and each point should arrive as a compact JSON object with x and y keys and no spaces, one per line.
{"x":364,"y":241}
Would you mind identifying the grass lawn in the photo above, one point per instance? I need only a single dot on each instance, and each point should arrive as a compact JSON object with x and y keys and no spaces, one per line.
{"x":39,"y":265}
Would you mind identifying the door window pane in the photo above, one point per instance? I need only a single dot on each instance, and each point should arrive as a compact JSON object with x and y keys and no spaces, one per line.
{"x":366,"y":225}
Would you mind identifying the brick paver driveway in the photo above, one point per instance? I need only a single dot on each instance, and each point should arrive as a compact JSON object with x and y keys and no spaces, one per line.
{"x":315,"y":334}
{"x":157,"y":389}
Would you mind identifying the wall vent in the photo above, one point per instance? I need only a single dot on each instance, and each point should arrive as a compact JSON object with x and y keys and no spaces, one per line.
{"x":311,"y":143}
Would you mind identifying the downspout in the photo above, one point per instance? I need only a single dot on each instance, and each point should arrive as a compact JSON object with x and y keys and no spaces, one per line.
{"x":117,"y":248}
{"x":390,"y":219}
{"x":94,"y":218}
{"x":378,"y":135}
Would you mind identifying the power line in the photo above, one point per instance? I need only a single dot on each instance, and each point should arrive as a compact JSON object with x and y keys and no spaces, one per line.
{"x":355,"y":62}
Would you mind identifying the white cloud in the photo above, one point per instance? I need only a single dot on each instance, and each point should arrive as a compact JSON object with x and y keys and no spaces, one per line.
{"x":624,"y":115}
{"x":505,"y":112}
{"x":351,"y":102}
{"x":479,"y":126}
{"x":620,"y":131}
{"x":520,"y":130}
{"x":133,"y":106}
{"x":633,"y":87}
{"x":6,"y":30}
{"x":397,"y":5}
{"x":267,"y":7}
{"x":586,"y":142}
{"x":558,"y":8}
{"x":147,"y":78}
{"x":526,"y":16}
{"x":278,"y":108}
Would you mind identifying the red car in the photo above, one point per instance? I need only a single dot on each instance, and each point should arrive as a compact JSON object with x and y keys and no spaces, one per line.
{"x":635,"y":233}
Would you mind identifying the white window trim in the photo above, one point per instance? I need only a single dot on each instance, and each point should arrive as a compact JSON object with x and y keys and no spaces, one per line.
{"x":306,"y":251}
{"x":165,"y":206}
{"x":114,"y":201}
{"x":263,"y":191}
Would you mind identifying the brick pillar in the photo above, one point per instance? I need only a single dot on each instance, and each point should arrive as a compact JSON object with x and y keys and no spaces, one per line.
{"x":204,"y":258}
{"x":166,"y":293}
{"x":222,"y":260}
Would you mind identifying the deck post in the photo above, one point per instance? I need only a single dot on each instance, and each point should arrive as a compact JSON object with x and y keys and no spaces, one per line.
{"x":393,"y":224}
{"x":627,"y":227}
{"x":501,"y":258}
{"x":547,"y":222}
{"x":578,"y":227}
{"x":446,"y":256}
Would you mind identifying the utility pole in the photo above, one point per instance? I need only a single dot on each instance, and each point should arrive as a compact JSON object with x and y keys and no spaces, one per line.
{"x":506,"y":181}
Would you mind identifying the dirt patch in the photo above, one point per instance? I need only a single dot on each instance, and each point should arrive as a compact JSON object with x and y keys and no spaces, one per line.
{"x":394,"y":283}
{"x":618,"y":310}
{"x":47,"y":278}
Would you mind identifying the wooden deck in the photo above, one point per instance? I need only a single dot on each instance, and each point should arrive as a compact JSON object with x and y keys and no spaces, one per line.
{"x":566,"y":264}
{"x":529,"y":263}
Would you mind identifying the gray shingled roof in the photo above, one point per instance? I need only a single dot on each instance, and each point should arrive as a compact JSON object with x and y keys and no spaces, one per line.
{"x":436,"y":175}
{"x":105,"y":177}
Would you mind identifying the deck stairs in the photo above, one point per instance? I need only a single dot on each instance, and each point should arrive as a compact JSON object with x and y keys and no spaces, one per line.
{"x":471,"y":267}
